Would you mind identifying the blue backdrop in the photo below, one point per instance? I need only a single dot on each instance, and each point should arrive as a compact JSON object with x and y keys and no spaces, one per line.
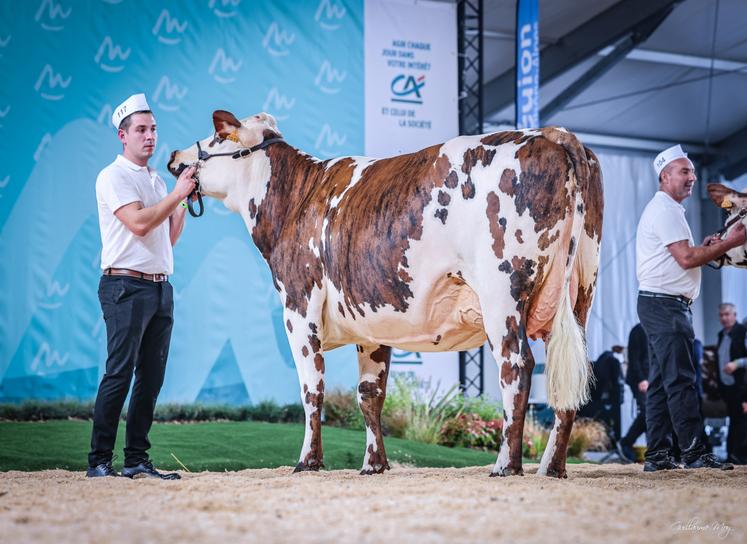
{"x":65,"y":64}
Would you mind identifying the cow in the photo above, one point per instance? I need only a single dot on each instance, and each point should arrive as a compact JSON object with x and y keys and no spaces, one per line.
{"x":735,"y":204}
{"x":492,"y":237}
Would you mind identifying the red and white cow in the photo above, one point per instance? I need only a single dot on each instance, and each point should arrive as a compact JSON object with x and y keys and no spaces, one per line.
{"x":483,"y":237}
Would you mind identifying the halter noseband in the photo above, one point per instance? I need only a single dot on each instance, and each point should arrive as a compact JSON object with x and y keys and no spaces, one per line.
{"x":203,"y":156}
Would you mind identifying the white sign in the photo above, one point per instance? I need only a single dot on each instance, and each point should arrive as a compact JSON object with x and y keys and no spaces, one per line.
{"x":410,"y":75}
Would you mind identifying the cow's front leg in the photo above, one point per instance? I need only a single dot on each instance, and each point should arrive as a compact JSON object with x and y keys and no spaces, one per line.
{"x":516,"y":380}
{"x":309,"y":358}
{"x":556,"y":452}
{"x":373,"y":367}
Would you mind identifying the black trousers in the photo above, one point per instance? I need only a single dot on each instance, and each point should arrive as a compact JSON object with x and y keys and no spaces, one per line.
{"x":139,"y":318}
{"x":672,"y":402}
{"x":638,"y":427}
{"x":736,"y":441}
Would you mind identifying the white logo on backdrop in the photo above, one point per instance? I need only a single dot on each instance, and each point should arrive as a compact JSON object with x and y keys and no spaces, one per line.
{"x":328,"y":14}
{"x":53,"y":81}
{"x":42,"y":145}
{"x":224,"y":3}
{"x":113,"y":52}
{"x":328,"y":78}
{"x":4,"y":183}
{"x":276,"y":41}
{"x":224,"y":64}
{"x":171,"y":92}
{"x":105,"y":115}
{"x":4,"y":113}
{"x":276,"y":103}
{"x":53,"y":11}
{"x":328,"y":140}
{"x":4,"y":42}
{"x":47,"y":359}
{"x":55,"y":294}
{"x":173,"y":28}
{"x":113,"y":2}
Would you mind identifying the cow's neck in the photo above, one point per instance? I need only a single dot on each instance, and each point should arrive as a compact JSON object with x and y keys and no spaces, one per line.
{"x":292,"y":176}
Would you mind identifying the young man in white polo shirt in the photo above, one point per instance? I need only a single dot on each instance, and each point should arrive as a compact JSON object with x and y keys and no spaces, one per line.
{"x":140,"y":222}
{"x":668,"y":268}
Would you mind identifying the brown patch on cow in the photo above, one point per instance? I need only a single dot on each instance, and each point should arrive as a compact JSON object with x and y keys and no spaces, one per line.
{"x":438,"y":340}
{"x":313,"y":328}
{"x":441,"y":214}
{"x":404,"y":276}
{"x":452,"y":180}
{"x":468,"y":189}
{"x":500,"y":138}
{"x":510,"y":342}
{"x":289,"y":325}
{"x":496,"y":230}
{"x":340,"y":309}
{"x":305,"y":351}
{"x":252,"y":209}
{"x":319,"y":362}
{"x":522,"y":280}
{"x":313,"y":460}
{"x":444,"y":198}
{"x":225,"y":123}
{"x":583,"y":302}
{"x":593,"y":197}
{"x":381,"y":355}
{"x":545,"y":239}
{"x":557,"y":468}
{"x":518,"y":235}
{"x":541,"y":187}
{"x":372,"y":227}
{"x":314,"y":342}
{"x":473,"y":155}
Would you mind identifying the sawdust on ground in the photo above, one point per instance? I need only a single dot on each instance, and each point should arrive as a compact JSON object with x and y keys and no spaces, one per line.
{"x":597,"y":503}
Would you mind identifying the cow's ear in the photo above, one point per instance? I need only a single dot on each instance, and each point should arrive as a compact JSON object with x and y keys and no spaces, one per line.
{"x":721,"y":195}
{"x":225,"y":123}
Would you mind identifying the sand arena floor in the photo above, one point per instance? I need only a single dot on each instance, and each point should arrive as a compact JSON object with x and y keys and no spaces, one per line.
{"x":598,"y":503}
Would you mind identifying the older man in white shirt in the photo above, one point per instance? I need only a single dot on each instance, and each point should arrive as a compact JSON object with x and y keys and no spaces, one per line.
{"x":668,"y":268}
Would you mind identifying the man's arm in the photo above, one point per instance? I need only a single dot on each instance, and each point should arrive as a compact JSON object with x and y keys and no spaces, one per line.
{"x":176,"y":223}
{"x":688,"y":256}
{"x":141,"y":220}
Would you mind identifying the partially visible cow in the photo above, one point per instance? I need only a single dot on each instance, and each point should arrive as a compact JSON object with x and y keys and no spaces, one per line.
{"x":483,"y":237}
{"x":735,"y":204}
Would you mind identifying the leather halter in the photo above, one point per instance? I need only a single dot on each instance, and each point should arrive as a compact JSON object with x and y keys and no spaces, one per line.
{"x":740,"y":215}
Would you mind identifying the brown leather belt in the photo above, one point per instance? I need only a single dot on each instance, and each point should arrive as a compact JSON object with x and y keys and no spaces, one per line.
{"x":135,"y":274}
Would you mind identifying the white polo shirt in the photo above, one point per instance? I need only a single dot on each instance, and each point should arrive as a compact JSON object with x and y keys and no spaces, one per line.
{"x":662,"y":223}
{"x":121,"y":183}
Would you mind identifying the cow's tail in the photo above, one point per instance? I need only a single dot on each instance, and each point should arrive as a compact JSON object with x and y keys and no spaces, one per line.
{"x":567,"y":371}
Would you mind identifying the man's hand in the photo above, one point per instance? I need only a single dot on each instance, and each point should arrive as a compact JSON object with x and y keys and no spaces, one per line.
{"x":736,"y":236}
{"x":711,"y":238}
{"x":643,"y":386}
{"x":744,"y":407}
{"x":730,"y":368}
{"x":185,"y":183}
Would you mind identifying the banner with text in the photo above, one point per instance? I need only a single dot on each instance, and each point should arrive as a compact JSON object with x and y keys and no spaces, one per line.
{"x":527,"y":64}
{"x":410,"y":75}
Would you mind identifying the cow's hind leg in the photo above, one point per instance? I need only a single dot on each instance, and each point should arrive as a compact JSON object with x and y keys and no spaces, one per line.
{"x":373,"y":365}
{"x":309,"y":358}
{"x":553,"y":459}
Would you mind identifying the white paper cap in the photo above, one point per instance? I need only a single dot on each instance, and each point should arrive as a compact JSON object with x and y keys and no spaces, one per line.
{"x":133,"y":104}
{"x":668,"y":155}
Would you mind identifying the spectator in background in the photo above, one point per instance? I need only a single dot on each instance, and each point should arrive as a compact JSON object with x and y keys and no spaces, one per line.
{"x":637,"y":379}
{"x":732,"y":360}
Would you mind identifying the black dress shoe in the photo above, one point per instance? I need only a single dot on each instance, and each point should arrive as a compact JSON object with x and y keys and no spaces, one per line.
{"x":708,"y":460}
{"x":664,"y":464}
{"x":146,"y":469}
{"x":103,"y":469}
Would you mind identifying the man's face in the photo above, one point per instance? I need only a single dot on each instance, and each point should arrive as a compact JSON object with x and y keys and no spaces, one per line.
{"x":728,"y":317}
{"x":678,"y":178}
{"x":140,"y":137}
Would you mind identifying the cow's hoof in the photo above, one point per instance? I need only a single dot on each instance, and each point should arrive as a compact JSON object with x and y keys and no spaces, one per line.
{"x":376,"y":468}
{"x":508,"y":471}
{"x":308,"y":467}
{"x":556,"y":473}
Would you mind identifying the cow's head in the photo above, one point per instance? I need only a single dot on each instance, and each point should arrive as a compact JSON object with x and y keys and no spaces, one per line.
{"x":735,"y":203}
{"x":222,"y":170}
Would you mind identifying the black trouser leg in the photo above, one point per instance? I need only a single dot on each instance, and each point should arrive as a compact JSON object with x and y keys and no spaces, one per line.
{"x":149,"y":373}
{"x":737,"y":421}
{"x":638,"y":427}
{"x":658,"y":423}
